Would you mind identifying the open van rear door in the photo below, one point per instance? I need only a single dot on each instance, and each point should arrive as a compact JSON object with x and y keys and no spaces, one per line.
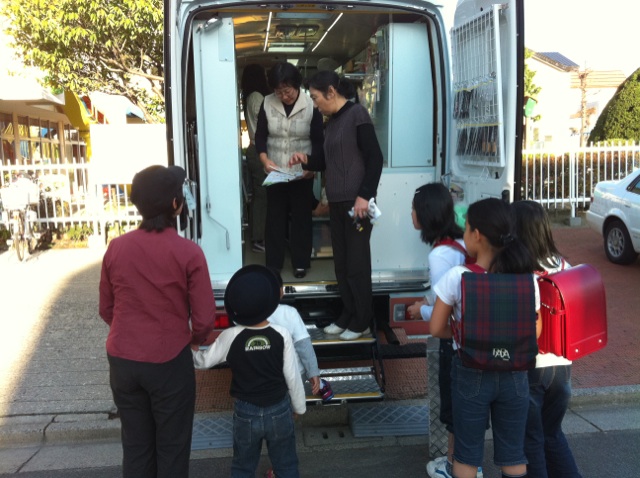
{"x":485,"y":141}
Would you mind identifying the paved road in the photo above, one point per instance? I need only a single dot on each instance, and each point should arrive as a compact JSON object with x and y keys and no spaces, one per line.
{"x":598,"y":455}
{"x":55,"y":398}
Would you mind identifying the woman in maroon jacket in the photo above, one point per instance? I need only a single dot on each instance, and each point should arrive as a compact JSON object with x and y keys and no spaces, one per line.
{"x":156,"y":297}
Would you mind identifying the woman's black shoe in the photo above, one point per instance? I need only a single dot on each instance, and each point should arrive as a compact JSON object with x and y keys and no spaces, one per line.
{"x":299,"y":273}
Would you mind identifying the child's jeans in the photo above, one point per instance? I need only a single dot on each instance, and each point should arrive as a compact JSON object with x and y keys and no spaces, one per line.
{"x":478,"y":394}
{"x":251,"y":425}
{"x":546,"y":446}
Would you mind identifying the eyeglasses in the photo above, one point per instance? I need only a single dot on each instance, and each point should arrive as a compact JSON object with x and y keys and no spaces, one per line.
{"x":285,"y":92}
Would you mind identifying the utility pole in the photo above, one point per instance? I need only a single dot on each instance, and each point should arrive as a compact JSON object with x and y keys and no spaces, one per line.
{"x":584,"y":118}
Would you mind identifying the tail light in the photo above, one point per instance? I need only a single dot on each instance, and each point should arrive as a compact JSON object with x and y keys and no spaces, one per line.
{"x":222,"y":321}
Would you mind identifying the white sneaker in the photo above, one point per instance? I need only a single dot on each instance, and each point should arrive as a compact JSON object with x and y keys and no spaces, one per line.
{"x":333,"y":329}
{"x":351,"y":335}
{"x":438,"y":468}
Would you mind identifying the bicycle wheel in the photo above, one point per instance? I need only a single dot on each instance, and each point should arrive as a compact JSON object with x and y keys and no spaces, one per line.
{"x":29,"y":233}
{"x":19,"y":241}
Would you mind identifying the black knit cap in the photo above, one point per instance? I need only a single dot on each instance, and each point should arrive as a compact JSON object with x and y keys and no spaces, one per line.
{"x":154,"y":188}
{"x":252,"y":295}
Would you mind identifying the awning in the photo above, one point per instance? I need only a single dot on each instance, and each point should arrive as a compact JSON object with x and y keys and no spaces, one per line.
{"x":115,"y":108}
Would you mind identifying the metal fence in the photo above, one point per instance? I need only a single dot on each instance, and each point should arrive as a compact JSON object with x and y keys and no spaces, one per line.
{"x":565,"y":179}
{"x":73,"y":198}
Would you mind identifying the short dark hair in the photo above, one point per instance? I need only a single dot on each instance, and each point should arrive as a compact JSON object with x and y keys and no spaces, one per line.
{"x":435,"y":214}
{"x":284,"y":73}
{"x":153,"y":191}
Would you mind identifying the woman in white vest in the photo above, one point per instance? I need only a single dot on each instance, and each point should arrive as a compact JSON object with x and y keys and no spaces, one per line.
{"x":287,"y":122}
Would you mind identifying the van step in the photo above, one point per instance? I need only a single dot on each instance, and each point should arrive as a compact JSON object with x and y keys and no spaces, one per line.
{"x":367,"y":421}
{"x":212,"y":432}
{"x":318,"y":337}
{"x":410,"y":350}
{"x":348,"y":384}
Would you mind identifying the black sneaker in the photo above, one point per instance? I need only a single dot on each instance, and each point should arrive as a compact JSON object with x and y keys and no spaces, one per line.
{"x":258,"y":246}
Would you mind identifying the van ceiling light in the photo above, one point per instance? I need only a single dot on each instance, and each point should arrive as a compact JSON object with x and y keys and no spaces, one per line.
{"x":286,"y":48}
{"x":302,"y":16}
{"x":325,"y":33}
{"x":266,"y":35}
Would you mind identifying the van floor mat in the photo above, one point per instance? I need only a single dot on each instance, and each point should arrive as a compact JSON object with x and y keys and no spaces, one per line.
{"x":411,"y":350}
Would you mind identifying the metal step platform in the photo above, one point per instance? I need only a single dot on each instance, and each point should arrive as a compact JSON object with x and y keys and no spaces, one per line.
{"x":348,"y":384}
{"x":389,"y":420}
{"x":212,"y":432}
{"x":319,"y":338}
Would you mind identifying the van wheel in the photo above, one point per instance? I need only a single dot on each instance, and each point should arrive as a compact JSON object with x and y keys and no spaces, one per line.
{"x":617,"y":244}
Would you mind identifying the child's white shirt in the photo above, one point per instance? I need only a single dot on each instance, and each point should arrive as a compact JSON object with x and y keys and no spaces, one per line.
{"x":289,"y":318}
{"x":217,"y":353}
{"x":441,"y":259}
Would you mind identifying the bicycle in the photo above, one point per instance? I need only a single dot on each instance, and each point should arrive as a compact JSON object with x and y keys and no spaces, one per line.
{"x":19,"y":218}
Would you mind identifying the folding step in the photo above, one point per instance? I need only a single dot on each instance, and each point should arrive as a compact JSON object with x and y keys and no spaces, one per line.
{"x":319,"y":338}
{"x":389,"y":420}
{"x":348,"y":384}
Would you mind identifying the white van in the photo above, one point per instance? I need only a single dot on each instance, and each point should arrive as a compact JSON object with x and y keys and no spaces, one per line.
{"x":446,"y":105}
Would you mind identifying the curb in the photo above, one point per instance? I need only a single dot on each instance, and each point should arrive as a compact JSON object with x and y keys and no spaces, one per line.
{"x":57,"y":429}
{"x":52,"y":429}
{"x":621,"y":394}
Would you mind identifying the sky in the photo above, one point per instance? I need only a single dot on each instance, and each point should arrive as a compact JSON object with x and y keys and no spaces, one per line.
{"x":596,"y":35}
{"x":599,"y":35}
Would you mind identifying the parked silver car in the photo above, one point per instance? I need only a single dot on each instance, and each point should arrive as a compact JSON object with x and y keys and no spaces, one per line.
{"x":615,"y":213}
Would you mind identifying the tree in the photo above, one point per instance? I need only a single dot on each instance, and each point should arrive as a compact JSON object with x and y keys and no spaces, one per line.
{"x":620,"y":119}
{"x":531,"y":91}
{"x":112,"y":46}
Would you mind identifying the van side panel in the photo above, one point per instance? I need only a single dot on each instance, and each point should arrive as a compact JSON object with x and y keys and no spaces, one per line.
{"x":218,"y":147}
{"x":396,"y":247}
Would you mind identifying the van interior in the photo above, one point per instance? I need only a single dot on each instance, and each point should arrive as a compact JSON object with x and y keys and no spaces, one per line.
{"x":364,"y":44}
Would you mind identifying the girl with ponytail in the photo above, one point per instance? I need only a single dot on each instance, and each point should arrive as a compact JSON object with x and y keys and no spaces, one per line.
{"x":480,"y":393}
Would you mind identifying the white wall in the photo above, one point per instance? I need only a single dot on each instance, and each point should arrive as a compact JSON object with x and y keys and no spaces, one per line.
{"x":120,"y":151}
{"x":557,"y":101}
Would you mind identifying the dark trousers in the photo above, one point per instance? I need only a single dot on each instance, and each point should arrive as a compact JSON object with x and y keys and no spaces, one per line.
{"x":545,"y":444}
{"x":259,"y":195}
{"x":444,"y":380}
{"x":284,"y":200}
{"x":352,"y":260}
{"x":156,"y":403}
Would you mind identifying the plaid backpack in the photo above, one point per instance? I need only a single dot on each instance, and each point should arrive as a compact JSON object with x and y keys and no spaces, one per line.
{"x":498,"y":326}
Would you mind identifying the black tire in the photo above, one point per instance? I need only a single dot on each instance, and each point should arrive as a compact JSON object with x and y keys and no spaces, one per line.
{"x":32,"y":242}
{"x":617,"y":243}
{"x":19,"y":241}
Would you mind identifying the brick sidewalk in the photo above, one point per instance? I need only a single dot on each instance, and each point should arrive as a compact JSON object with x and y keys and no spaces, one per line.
{"x":617,"y":363}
